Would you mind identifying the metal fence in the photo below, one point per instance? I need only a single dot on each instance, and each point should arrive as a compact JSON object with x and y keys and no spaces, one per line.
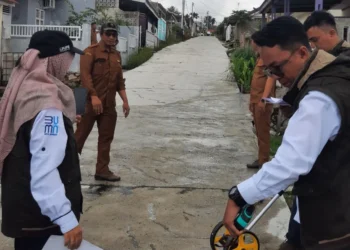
{"x":9,"y":60}
{"x":26,"y":30}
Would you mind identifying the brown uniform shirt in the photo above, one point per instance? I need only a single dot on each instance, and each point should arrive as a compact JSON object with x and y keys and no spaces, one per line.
{"x":258,"y":82}
{"x":93,"y":37}
{"x":101,"y":73}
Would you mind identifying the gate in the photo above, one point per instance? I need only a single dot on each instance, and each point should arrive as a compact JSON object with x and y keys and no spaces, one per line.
{"x":9,"y":60}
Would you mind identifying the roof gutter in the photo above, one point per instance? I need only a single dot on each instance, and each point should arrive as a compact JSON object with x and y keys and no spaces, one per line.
{"x":262,"y":7}
{"x":8,"y":2}
{"x":149,"y":6}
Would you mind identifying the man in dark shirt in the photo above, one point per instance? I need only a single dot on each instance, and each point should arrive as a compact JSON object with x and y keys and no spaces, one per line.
{"x":322,"y":32}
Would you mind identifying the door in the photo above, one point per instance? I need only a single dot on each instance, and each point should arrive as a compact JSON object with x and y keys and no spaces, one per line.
{"x":143,"y":24}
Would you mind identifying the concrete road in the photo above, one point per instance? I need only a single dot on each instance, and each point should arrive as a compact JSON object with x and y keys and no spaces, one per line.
{"x":186,"y":142}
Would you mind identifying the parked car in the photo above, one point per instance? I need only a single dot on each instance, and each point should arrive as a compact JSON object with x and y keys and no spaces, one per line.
{"x":208,"y":33}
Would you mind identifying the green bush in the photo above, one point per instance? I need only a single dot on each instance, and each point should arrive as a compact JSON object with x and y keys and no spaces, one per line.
{"x":138,"y":58}
{"x":172,"y":39}
{"x":245,"y":53}
{"x":275,"y":143}
{"x":242,"y":66}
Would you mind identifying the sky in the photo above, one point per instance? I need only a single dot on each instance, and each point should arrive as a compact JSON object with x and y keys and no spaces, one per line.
{"x":217,"y":8}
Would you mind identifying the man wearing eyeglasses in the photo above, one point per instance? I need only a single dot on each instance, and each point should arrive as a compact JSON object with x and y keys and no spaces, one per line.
{"x":101,"y":73}
{"x":322,"y":33}
{"x":321,"y":30}
{"x":314,"y":154}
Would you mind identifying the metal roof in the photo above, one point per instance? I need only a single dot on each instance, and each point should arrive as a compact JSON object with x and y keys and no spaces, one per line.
{"x":295,"y":5}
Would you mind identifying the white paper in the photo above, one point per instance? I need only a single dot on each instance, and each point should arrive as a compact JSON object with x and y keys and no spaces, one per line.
{"x":279,"y":101}
{"x":297,"y":216}
{"x":57,"y":243}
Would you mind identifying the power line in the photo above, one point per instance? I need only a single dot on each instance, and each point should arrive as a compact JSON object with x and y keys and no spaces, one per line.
{"x":220,"y":14}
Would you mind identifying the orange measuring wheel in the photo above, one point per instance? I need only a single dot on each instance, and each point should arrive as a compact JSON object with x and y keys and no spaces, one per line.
{"x":220,"y":238}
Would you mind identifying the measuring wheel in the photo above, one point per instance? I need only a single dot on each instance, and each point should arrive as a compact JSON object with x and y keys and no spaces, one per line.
{"x":220,"y":238}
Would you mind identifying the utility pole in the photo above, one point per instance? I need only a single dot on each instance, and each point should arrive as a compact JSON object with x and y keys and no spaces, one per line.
{"x":208,"y":19}
{"x":192,"y":20}
{"x":183,"y":14}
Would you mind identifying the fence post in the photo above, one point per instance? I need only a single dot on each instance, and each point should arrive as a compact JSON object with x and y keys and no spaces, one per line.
{"x":86,"y":35}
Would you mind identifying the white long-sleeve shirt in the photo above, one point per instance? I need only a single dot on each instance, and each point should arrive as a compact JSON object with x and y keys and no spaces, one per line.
{"x":316,"y":121}
{"x":47,"y":146}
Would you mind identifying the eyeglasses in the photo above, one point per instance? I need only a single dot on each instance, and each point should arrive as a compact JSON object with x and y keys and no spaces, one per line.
{"x":277,"y":70}
{"x":111,"y":33}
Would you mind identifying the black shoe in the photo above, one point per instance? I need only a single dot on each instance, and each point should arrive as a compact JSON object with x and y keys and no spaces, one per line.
{"x":254,"y":165}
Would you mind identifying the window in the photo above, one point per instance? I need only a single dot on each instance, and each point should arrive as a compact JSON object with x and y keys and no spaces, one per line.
{"x":6,"y":9}
{"x":345,"y":33}
{"x":49,"y":4}
{"x":39,"y":17}
{"x":106,"y":3}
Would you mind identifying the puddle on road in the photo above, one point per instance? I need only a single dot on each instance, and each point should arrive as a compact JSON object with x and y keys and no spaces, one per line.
{"x":103,"y":188}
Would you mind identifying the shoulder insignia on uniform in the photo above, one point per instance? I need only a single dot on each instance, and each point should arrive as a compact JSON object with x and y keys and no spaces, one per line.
{"x":93,"y":45}
{"x":88,"y":54}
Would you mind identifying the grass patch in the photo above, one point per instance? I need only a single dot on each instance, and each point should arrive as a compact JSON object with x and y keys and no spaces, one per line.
{"x":275,"y":142}
{"x":171,"y":40}
{"x":144,"y":54}
{"x":138,"y":58}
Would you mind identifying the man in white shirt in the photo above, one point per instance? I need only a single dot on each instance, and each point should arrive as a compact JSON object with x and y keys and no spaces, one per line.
{"x":314,"y":152}
{"x":322,"y":33}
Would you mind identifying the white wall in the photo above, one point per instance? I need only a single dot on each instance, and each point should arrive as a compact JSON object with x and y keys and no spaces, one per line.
{"x":339,"y":10}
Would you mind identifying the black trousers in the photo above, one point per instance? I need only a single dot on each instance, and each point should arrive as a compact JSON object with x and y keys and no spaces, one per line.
{"x":293,"y":235}
{"x":33,"y":243}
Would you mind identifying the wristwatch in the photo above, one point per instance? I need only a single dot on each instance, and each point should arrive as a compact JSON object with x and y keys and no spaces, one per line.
{"x":236,"y":196}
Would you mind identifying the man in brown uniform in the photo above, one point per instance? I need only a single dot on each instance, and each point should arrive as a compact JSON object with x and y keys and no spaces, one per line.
{"x":261,"y":87}
{"x":93,"y":34}
{"x":101,"y":73}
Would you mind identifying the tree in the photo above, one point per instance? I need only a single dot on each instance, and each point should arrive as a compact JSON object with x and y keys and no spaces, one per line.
{"x":79,"y":18}
{"x":188,"y":20}
{"x":220,"y":31}
{"x":242,"y":20}
{"x":195,"y":15}
{"x":174,"y":10}
{"x":100,"y":15}
{"x":209,"y":20}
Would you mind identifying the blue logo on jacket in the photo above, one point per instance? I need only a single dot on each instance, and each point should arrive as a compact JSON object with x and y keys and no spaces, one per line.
{"x":51,"y":125}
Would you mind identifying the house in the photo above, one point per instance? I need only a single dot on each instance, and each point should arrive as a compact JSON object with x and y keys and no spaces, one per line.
{"x":47,"y":12}
{"x":135,"y":13}
{"x":162,"y":20}
{"x":29,"y":16}
{"x":148,"y":20}
{"x":5,"y":18}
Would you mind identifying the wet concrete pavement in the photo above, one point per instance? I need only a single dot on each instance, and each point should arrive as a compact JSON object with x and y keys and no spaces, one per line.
{"x":186,"y":142}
